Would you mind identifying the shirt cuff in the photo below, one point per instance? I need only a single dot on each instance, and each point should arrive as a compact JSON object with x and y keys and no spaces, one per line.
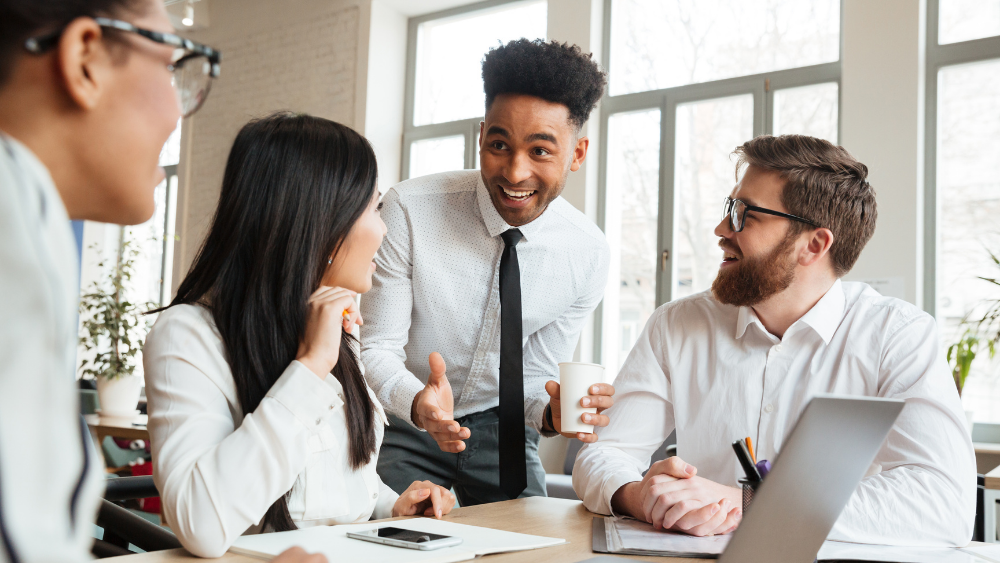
{"x":533,"y":415}
{"x":386,"y":500}
{"x":401,"y":397}
{"x":614,"y":482}
{"x":307,"y":396}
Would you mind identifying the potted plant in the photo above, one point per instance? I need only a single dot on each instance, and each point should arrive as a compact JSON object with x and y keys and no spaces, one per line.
{"x":983,"y":331}
{"x":113,"y":329}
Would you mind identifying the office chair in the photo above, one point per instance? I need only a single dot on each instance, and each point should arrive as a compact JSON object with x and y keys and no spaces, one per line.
{"x":122,"y":527}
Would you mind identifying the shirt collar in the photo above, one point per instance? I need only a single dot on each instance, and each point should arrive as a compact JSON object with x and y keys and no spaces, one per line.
{"x":495,"y":225}
{"x":826,"y":314}
{"x":824,"y":317}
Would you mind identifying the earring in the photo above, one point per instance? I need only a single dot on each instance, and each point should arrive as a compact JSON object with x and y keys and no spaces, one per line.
{"x":330,"y":261}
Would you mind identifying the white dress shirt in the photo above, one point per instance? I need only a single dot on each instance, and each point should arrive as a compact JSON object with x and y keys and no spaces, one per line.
{"x":714,"y":373}
{"x":50,"y":474}
{"x":436,"y":289}
{"x":218,"y":469}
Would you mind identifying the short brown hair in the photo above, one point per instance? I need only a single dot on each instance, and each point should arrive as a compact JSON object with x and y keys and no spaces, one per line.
{"x":823,"y":183}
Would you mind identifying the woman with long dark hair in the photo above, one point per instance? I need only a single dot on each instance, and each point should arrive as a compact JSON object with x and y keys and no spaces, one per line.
{"x":259,"y":415}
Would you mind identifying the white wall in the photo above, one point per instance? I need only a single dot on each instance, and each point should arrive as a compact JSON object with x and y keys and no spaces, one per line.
{"x":381,"y":96}
{"x":881,"y":124}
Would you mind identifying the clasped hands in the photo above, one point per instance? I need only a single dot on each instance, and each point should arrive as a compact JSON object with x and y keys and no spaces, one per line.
{"x":672,"y":497}
{"x":434,"y":408}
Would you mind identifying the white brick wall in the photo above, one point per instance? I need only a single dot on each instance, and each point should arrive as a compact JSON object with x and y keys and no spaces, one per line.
{"x":298,"y":55}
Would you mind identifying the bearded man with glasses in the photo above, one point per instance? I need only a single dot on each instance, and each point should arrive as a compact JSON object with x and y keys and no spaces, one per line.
{"x":777,"y":328}
{"x":89,"y":92}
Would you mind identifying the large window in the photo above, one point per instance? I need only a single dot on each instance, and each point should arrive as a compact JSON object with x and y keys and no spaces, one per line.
{"x":688,"y":82}
{"x":444,"y":87}
{"x":155,"y":237}
{"x":963,"y":179}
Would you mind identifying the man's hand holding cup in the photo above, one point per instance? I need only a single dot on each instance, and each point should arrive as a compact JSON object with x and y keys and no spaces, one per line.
{"x":577,"y":401}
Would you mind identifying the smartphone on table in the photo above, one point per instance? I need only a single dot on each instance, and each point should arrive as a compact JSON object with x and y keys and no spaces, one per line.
{"x":410,"y":539}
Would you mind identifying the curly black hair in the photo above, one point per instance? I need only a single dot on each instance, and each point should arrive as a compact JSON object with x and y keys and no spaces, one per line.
{"x":553,"y":71}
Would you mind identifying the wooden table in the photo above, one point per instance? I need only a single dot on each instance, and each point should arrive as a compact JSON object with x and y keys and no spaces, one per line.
{"x":991,"y":495}
{"x":126,"y":428}
{"x":540,"y":516}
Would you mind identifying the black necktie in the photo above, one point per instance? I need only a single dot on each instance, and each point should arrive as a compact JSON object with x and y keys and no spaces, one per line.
{"x":513,"y":475}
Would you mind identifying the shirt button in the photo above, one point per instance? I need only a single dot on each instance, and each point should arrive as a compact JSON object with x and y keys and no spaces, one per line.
{"x":769,"y":408}
{"x":777,"y":348}
{"x":374,"y":496}
{"x":318,"y":420}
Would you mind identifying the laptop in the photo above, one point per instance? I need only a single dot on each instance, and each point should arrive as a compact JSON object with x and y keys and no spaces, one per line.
{"x":820,"y":465}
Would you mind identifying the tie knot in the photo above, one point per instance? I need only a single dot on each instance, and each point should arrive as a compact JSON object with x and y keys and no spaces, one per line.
{"x":511,"y":237}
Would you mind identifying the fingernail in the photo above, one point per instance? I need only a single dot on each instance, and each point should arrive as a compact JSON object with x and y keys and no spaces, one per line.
{"x":586,"y":418}
{"x":434,"y":415}
{"x":715,"y":509}
{"x":689,"y":469}
{"x":595,"y":390}
{"x":438,"y":512}
{"x":585,"y":402}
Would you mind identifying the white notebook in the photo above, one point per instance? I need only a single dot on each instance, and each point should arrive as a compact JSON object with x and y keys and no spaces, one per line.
{"x":333,"y":542}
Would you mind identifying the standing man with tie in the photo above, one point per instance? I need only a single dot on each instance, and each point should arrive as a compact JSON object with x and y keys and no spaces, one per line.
{"x":496,"y":274}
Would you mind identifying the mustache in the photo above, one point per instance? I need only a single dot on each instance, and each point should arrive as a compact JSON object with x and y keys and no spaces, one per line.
{"x":724,"y":245}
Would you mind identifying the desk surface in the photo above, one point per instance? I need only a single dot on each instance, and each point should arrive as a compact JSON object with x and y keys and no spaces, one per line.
{"x":539,"y":516}
{"x":993,"y":479}
{"x":127,"y":428}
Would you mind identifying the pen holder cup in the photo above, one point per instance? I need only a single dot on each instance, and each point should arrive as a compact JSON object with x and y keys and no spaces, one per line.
{"x":749,"y":488}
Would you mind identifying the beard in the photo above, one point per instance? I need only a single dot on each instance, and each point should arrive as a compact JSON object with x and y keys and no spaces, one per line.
{"x":754,"y":279}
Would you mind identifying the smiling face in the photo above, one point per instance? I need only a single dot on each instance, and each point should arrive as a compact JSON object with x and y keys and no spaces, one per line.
{"x":759,"y":261}
{"x":527,"y":148}
{"x":353,"y":265}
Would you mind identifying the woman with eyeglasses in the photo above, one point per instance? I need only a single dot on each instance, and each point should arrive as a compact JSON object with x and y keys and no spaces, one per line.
{"x":259,"y":415}
{"x":89,"y":92}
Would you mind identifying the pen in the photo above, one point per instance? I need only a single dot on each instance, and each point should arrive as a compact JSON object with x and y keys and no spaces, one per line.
{"x":753,"y":456}
{"x":740,"y":447}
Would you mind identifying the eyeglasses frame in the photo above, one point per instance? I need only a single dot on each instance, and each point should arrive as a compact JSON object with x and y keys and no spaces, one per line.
{"x":730,"y":202}
{"x":41,"y":44}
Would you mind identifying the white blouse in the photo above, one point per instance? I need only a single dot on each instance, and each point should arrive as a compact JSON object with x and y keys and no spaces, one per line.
{"x":219,"y":470}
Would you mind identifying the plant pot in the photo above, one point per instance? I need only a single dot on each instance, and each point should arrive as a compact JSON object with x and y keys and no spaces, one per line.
{"x":120,"y":396}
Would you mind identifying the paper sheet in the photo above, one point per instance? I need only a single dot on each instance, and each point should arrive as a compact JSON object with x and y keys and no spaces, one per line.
{"x":333,"y":542}
{"x":988,"y":551}
{"x":635,"y":536}
{"x":896,"y":554}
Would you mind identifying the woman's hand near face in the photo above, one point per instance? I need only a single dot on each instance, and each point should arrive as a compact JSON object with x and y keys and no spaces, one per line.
{"x":331,"y":311}
{"x":424,"y":497}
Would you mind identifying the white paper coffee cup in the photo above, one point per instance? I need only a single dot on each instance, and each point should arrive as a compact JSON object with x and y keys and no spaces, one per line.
{"x":575,"y":380}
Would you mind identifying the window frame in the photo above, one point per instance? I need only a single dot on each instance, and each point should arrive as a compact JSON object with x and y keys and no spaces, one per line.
{"x":762,"y":86}
{"x":937,"y":58}
{"x":468,"y":128}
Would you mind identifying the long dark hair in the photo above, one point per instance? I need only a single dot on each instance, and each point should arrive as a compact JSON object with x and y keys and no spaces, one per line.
{"x":294,"y":186}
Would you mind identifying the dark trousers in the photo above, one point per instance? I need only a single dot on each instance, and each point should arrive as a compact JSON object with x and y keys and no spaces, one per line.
{"x":409,"y":455}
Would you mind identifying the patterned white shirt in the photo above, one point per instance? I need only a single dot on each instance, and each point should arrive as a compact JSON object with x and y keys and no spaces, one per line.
{"x":436,"y":290}
{"x":715,"y":374}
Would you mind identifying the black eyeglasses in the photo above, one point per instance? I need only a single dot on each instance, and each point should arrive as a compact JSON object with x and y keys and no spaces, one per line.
{"x":194,"y":65}
{"x":737,"y":209}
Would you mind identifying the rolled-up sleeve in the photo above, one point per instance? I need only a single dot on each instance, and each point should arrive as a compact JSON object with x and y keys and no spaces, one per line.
{"x":200,"y":458}
{"x":640,"y":420}
{"x":925,"y":493}
{"x":386,"y":309}
{"x":556,"y":341}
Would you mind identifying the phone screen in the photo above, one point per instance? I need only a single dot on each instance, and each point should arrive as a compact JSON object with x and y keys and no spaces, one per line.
{"x":411,"y":536}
